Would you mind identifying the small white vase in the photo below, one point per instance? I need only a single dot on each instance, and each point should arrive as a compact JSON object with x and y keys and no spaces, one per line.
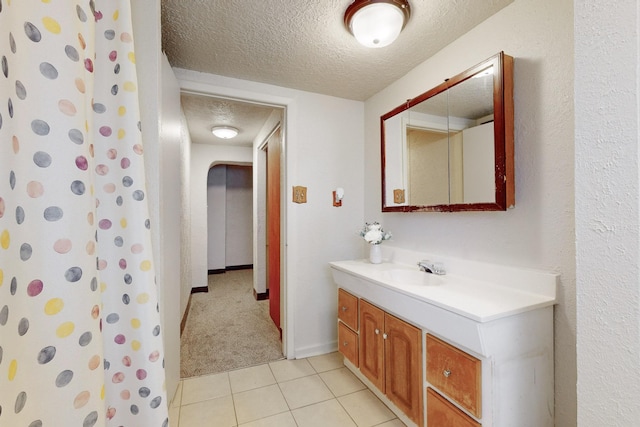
{"x":375,"y":254}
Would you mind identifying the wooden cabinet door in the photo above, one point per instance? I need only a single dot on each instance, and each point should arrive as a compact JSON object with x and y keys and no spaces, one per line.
{"x":348,"y":343}
{"x":441,"y":413}
{"x":403,"y":366}
{"x":455,"y":373}
{"x":348,"y":309}
{"x":371,"y":344}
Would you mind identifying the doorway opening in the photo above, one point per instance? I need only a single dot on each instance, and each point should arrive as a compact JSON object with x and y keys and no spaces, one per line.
{"x":238,"y":252}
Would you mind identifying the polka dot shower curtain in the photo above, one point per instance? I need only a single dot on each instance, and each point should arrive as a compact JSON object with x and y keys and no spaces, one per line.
{"x":80,"y":341}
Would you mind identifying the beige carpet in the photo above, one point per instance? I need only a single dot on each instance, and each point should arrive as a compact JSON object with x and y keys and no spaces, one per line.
{"x":227,"y":328}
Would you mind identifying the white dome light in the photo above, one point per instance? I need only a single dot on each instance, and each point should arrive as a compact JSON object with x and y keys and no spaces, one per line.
{"x":376,"y":23}
{"x":224,"y":132}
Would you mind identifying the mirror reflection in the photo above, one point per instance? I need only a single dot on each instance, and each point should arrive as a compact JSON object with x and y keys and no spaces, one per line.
{"x":439,"y":150}
{"x":427,"y":145}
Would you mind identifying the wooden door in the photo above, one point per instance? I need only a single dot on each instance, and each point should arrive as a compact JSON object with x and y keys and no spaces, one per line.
{"x":371,"y":351}
{"x":403,"y":366}
{"x":273,"y":226}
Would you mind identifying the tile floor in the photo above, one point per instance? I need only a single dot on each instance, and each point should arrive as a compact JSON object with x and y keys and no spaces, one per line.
{"x":314,"y":392}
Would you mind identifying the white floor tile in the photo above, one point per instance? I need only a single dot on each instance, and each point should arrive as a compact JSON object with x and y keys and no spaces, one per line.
{"x":251,"y":378}
{"x":305,"y":391}
{"x":286,"y":370}
{"x":211,"y":413}
{"x":327,"y":362}
{"x":392,"y":423}
{"x":323,"y":414}
{"x":342,"y":381}
{"x":198,"y":389}
{"x":174,"y":415}
{"x":313,"y":392}
{"x":281,"y":420}
{"x":177,"y":397}
{"x":259,"y":403}
{"x":366,"y":409}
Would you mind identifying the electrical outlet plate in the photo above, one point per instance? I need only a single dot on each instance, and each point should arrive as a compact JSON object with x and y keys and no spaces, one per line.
{"x":299,"y":194}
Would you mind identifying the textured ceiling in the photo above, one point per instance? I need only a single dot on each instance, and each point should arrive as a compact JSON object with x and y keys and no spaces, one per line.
{"x":303,"y":44}
{"x":203,"y":112}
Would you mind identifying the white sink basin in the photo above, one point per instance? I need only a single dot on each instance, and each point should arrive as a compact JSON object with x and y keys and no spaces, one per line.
{"x":498,"y":291}
{"x":412,"y":277}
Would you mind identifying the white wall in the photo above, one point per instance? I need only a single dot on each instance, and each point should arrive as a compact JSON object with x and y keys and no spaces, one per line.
{"x":239,"y":216}
{"x":203,"y":157}
{"x":216,"y":217}
{"x":229,"y":216}
{"x":168,"y":261}
{"x":539,"y":232}
{"x":323,"y":146}
{"x":186,"y":273}
{"x":607,"y":212}
{"x":160,"y":116}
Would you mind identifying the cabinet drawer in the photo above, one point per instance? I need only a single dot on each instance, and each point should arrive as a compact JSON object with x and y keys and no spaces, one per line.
{"x":455,"y":373}
{"x":348,"y":309}
{"x":348,"y":343}
{"x":441,"y":412}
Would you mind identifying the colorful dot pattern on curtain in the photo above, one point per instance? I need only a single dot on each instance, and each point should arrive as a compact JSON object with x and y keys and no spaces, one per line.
{"x":80,"y":339}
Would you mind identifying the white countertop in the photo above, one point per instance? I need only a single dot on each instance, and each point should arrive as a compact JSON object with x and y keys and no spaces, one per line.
{"x":479,"y":300}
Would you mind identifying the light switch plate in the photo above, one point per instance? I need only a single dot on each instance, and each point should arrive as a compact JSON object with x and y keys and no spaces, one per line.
{"x":299,"y":194}
{"x":398,"y":196}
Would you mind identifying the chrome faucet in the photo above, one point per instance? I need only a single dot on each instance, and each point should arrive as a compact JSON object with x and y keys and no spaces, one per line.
{"x":429,"y":267}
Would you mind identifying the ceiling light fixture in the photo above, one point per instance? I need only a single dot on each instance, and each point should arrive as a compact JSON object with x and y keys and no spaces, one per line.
{"x":377,"y":23}
{"x":224,"y":132}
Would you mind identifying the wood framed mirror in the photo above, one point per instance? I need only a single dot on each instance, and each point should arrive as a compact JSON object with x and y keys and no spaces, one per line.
{"x":450,"y":149}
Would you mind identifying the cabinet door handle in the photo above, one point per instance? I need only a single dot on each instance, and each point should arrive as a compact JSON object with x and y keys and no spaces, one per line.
{"x":446,"y":373}
{"x":344,"y":344}
{"x":344,"y":308}
{"x":384,"y":336}
{"x":377,"y":331}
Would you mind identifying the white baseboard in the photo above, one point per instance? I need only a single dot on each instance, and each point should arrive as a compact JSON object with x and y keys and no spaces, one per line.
{"x":316,"y":350}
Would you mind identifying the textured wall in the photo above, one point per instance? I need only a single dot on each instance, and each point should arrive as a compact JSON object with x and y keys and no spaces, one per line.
{"x":539,"y":232}
{"x":607,"y":213}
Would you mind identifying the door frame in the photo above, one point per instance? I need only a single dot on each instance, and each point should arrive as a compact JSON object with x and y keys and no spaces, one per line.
{"x":286,"y":216}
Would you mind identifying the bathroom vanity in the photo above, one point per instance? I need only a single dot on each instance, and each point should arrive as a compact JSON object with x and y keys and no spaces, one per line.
{"x":473,"y":347}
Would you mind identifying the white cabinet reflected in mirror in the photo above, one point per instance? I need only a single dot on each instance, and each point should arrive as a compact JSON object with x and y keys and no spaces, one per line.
{"x":451,"y":148}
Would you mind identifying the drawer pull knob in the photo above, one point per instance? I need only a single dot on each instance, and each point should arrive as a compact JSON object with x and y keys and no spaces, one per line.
{"x":446,"y":373}
{"x":377,"y":331}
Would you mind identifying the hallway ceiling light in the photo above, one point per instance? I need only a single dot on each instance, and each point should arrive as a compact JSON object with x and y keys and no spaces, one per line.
{"x":377,"y":23}
{"x":224,"y":132}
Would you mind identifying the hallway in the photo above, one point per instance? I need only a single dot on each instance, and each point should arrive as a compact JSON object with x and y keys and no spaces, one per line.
{"x":227,"y":328}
